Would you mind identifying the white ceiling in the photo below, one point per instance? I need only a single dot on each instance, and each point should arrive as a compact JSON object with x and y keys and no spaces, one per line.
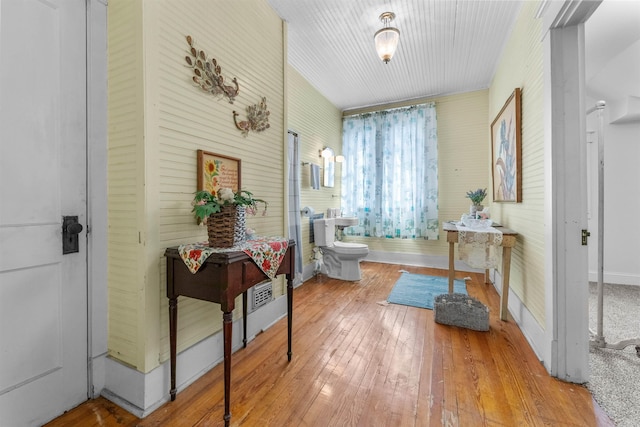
{"x":446,"y":47}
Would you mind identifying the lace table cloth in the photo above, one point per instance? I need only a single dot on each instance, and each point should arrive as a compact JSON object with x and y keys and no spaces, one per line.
{"x":480,"y":249}
{"x":266,"y":252}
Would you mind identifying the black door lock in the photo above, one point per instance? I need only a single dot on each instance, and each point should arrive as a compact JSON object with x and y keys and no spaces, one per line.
{"x":70,"y":230}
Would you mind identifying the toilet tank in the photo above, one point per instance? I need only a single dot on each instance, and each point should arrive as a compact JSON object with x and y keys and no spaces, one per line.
{"x":324,"y":231}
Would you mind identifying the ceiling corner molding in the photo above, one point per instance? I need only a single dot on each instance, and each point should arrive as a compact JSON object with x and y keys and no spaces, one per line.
{"x":558,"y":14}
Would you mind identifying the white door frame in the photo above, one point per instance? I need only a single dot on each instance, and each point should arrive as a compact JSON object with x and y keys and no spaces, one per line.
{"x":566,"y":275}
{"x":97,"y":136}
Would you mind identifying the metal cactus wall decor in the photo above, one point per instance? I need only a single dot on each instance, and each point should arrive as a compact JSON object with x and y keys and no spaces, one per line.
{"x":257,"y":118}
{"x":208,"y":74}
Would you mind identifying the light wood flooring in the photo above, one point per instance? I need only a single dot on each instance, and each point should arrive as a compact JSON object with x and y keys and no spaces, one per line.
{"x":358,"y":362}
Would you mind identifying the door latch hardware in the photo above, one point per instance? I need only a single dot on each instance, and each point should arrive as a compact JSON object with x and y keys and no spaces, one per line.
{"x":585,"y":234}
{"x":70,"y":230}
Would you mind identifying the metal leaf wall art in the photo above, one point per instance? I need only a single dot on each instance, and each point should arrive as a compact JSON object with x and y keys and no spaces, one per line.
{"x":257,"y":118}
{"x":208,"y":75}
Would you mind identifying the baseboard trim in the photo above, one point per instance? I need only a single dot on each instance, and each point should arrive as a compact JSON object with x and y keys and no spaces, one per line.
{"x":418,"y":260}
{"x":142,"y":393}
{"x":98,"y":363}
{"x":531,"y":329}
{"x":308,"y":272}
{"x":616,"y":278}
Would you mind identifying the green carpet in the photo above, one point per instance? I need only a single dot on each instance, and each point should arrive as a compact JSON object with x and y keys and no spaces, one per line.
{"x":419,"y":290}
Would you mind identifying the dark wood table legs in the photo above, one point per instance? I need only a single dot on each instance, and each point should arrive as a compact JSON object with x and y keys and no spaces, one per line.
{"x":244,"y":317}
{"x":227,"y":329}
{"x":289,"y":312}
{"x":227,"y":333}
{"x":173,"y":318}
{"x":221,"y":279}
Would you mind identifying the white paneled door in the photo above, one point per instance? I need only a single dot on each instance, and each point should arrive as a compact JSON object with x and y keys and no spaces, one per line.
{"x":43,"y":293}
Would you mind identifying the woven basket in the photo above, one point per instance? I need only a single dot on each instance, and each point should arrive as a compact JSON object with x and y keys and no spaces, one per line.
{"x":227,"y":227}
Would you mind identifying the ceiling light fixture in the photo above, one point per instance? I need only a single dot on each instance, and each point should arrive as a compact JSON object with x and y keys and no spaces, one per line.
{"x":387,"y":38}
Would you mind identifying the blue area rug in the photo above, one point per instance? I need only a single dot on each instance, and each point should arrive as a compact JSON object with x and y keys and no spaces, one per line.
{"x":418,"y":290}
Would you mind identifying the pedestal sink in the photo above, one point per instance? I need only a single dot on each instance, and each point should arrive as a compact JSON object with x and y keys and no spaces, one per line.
{"x":342,"y":222}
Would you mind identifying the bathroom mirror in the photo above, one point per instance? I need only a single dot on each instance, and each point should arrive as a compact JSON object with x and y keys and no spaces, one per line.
{"x":328,"y":165}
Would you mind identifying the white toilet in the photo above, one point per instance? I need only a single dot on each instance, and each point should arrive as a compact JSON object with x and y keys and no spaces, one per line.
{"x":341,"y":260}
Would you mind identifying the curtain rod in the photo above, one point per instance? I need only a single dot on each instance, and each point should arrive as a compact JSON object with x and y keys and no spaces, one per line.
{"x":379,"y":109}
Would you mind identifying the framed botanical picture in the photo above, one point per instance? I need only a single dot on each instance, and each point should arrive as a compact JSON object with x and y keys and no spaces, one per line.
{"x":216,"y":171}
{"x":506,"y":148}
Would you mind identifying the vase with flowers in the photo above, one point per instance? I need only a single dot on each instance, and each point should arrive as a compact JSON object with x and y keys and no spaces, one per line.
{"x":224,"y":213}
{"x":476,"y":197}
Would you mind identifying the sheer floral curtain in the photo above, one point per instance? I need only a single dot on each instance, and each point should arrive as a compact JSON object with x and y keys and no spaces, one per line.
{"x":390,"y":173}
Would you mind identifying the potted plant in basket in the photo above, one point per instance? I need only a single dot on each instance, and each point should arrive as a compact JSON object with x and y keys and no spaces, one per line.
{"x":224,"y":213}
{"x":476,"y":198}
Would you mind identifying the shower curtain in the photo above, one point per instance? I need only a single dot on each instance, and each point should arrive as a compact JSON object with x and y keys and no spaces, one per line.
{"x":295,"y":231}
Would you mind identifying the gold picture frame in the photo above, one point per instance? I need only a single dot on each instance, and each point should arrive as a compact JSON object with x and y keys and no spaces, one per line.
{"x":506,"y":151}
{"x":216,"y":171}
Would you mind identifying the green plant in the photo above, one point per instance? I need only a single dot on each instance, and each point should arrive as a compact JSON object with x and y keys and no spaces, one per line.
{"x":205,"y":203}
{"x":477,"y":196}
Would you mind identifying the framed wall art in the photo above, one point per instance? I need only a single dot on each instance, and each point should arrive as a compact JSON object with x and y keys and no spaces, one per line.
{"x":506,"y":148}
{"x":216,"y":171}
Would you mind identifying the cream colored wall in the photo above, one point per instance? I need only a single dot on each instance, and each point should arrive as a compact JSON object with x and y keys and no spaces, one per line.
{"x":318,"y":124}
{"x":522,"y":66}
{"x":126,"y":199}
{"x":463,"y":138}
{"x":173,"y":119}
{"x":157,"y":121}
{"x":464,"y":151}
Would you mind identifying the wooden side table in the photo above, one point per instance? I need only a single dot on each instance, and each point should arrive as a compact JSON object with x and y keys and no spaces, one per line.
{"x":508,"y":242}
{"x":222,"y":277}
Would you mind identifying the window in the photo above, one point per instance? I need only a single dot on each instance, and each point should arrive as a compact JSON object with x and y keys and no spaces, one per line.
{"x":390,"y":173}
